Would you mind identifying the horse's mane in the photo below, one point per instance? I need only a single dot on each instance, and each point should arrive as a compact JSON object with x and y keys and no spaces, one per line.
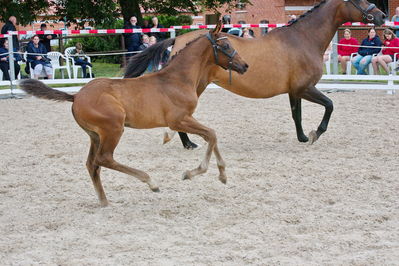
{"x":181,"y":50}
{"x":308,"y":12}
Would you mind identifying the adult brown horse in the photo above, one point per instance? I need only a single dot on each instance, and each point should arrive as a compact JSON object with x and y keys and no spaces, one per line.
{"x":165,"y":99}
{"x":286,"y":60}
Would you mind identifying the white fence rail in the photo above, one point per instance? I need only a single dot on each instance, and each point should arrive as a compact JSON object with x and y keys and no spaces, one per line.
{"x":328,"y":82}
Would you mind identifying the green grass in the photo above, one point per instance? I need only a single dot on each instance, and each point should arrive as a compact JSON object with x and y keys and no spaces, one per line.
{"x":99,"y":69}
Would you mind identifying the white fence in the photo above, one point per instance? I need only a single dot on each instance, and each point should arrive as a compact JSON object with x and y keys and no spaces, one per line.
{"x":328,"y":82}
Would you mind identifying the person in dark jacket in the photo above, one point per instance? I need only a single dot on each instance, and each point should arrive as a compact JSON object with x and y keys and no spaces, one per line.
{"x":45,"y":39}
{"x":365,"y":54}
{"x":159,"y":35}
{"x":5,"y":61}
{"x":10,"y":26}
{"x":37,"y":58}
{"x":132,"y":40}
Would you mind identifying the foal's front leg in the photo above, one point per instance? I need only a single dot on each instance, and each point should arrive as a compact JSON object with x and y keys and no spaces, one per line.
{"x":192,"y":126}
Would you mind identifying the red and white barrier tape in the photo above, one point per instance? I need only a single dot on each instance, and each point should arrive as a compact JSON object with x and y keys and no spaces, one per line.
{"x":4,"y":35}
{"x":171,"y":29}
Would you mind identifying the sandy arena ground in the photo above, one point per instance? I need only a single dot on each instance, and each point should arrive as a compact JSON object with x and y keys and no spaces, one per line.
{"x":332,"y":203}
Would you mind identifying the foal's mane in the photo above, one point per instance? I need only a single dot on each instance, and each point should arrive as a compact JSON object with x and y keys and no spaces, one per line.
{"x":307,"y":13}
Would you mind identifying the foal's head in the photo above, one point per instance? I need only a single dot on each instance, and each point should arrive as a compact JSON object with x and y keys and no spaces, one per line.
{"x":362,"y":10}
{"x":225,"y":54}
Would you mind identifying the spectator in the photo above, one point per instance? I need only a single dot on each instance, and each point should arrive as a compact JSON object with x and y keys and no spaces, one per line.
{"x":5,"y":61}
{"x":390,"y":40}
{"x":246,"y":33}
{"x":146,"y":24}
{"x":365,"y":54}
{"x":37,"y":58}
{"x":145,"y":42}
{"x":237,"y":31}
{"x":226,"y":19}
{"x":292,"y":19}
{"x":395,"y":18}
{"x":152,"y":40}
{"x":10,"y":26}
{"x":264,"y":31}
{"x":155,"y":25}
{"x":80,"y":59}
{"x":344,"y":51}
{"x":132,"y":40}
{"x":45,"y":39}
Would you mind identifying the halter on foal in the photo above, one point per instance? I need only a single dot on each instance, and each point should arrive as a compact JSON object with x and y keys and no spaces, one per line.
{"x":165,"y":99}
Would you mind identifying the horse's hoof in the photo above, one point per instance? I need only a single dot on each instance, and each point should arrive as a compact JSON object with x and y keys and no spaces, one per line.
{"x":303,"y":138}
{"x":155,"y":189}
{"x":223,"y":179}
{"x":186,"y":175}
{"x":190,"y":146}
{"x":312,"y":137}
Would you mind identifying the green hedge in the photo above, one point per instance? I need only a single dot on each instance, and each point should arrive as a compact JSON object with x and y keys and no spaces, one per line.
{"x":113,"y":42}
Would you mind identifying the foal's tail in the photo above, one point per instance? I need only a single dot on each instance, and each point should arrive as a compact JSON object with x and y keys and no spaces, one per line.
{"x":151,"y":55}
{"x":41,"y":90}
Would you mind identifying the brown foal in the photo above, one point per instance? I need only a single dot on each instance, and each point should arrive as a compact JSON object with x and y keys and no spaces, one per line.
{"x":167,"y":98}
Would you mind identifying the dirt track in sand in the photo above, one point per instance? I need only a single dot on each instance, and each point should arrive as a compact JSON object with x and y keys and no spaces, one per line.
{"x":335,"y":202}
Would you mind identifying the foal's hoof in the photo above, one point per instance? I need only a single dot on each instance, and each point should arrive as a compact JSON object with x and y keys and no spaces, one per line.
{"x":223,"y":179}
{"x":186,"y":175}
{"x":104,"y":203}
{"x":190,"y":146}
{"x":166,"y":138}
{"x":312,"y":137}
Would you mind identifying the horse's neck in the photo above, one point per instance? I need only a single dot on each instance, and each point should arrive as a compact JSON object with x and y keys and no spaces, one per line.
{"x":319,"y":27}
{"x":194,"y":63}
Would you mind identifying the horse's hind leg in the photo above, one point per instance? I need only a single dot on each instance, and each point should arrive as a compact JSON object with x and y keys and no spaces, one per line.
{"x":192,"y":126}
{"x":94,"y":169}
{"x":109,"y":138}
{"x":315,"y":96}
{"x":187,"y":143}
{"x":296,"y":110}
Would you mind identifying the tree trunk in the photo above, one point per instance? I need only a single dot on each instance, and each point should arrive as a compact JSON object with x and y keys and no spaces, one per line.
{"x":131,"y":8}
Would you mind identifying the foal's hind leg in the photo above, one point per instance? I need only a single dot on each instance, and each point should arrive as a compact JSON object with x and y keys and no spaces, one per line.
{"x":192,"y":126}
{"x":109,"y":138}
{"x":94,"y":169}
{"x":315,"y":96}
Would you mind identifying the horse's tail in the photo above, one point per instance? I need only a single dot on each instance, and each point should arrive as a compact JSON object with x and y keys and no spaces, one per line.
{"x":152,"y":55}
{"x":41,"y":90}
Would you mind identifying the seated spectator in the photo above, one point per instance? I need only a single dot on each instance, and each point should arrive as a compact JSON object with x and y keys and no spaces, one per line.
{"x":247,"y":34}
{"x":387,"y":56}
{"x":152,"y":40}
{"x":145,"y":42}
{"x":80,"y":59}
{"x":345,"y":49}
{"x":5,"y":61}
{"x":37,"y":58}
{"x":395,"y":18}
{"x":365,"y":54}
